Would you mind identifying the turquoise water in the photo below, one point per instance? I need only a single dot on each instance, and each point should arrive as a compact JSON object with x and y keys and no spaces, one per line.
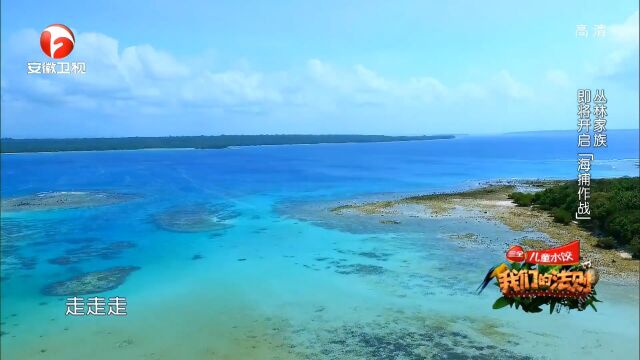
{"x":284,"y":279}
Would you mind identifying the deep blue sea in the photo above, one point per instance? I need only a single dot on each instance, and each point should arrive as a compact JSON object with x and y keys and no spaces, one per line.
{"x":273,"y":285}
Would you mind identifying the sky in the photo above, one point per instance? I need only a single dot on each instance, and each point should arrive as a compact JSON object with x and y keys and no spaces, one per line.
{"x":156,"y":68}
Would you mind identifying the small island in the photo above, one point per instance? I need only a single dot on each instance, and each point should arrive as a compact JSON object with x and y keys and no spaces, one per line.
{"x":10,"y":145}
{"x":610,"y":240}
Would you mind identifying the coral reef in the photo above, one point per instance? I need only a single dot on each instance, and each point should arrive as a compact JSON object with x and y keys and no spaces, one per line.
{"x":93,"y":250}
{"x":91,"y":282}
{"x":195,"y":218}
{"x":63,"y":200}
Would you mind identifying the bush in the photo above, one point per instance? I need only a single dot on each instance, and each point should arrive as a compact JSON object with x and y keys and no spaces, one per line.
{"x":521,"y":199}
{"x":562,"y":216}
{"x":615,"y":208}
{"x":606,"y":243}
{"x":624,"y":225}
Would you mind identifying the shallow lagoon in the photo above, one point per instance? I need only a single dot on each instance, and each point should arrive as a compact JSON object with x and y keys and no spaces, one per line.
{"x":278,"y":280}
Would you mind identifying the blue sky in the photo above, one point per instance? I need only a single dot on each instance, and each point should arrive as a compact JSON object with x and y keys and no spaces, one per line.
{"x":371,"y":67}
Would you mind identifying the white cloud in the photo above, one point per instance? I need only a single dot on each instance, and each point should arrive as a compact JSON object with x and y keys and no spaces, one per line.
{"x":136,"y":75}
{"x":229,"y":87}
{"x":325,"y":74}
{"x":472,"y":91}
{"x":144,"y":77}
{"x":156,"y":64}
{"x":427,"y":88}
{"x":122,"y":82}
{"x":371,"y":80}
{"x":557,"y":78}
{"x":365,"y":84}
{"x":622,"y":60}
{"x":627,"y":32}
{"x":507,"y":84}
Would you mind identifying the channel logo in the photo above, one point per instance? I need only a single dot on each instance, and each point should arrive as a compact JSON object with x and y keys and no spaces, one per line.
{"x":57,"y":41}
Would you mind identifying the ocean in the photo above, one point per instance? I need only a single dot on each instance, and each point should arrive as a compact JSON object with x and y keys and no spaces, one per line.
{"x":269,"y":283}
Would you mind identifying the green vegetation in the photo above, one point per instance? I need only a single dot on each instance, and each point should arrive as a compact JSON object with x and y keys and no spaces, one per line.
{"x":562,"y":216}
{"x":615,"y":209}
{"x":8,"y":145}
{"x":522,"y":199}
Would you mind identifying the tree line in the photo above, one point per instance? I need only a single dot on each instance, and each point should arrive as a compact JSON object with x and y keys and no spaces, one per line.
{"x":614,"y":204}
{"x":9,"y":145}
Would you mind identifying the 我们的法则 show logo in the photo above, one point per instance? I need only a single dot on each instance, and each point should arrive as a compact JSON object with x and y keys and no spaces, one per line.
{"x":57,"y":41}
{"x":534,"y":278}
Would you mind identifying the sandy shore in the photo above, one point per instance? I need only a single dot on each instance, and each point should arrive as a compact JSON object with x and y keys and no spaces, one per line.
{"x":492,"y":203}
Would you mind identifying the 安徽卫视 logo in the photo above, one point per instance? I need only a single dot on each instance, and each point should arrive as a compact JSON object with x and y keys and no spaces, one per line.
{"x":57,"y":41}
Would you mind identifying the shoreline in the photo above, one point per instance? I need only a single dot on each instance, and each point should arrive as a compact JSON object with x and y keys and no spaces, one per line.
{"x":490,"y":202}
{"x":91,"y":151}
{"x":230,"y":147}
{"x":213,"y":142}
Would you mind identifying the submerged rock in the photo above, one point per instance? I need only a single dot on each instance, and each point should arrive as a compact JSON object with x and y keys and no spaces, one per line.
{"x":91,"y":282}
{"x":17,"y":232}
{"x":195,"y":218}
{"x":413,"y":340}
{"x":360,"y":269}
{"x":465,"y":236}
{"x":63,"y":200}
{"x":382,"y":256}
{"x":94,"y":250}
{"x":12,"y":262}
{"x":390,"y":222}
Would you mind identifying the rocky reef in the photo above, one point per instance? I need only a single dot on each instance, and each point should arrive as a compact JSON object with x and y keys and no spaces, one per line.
{"x":195,"y":218}
{"x":91,"y":282}
{"x":63,"y":200}
{"x":94,"y":250}
{"x":360,"y":269}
